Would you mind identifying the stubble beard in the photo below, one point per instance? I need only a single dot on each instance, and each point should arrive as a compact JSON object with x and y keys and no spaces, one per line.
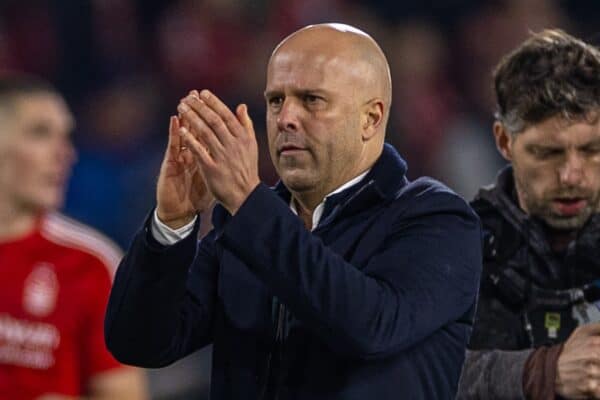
{"x":542,"y":208}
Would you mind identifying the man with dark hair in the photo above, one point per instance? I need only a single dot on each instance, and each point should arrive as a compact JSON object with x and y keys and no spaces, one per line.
{"x":536,"y":333}
{"x":55,"y":274}
{"x":347,"y":281}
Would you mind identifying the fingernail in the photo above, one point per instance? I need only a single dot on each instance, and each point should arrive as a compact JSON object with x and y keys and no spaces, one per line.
{"x":182,"y":107}
{"x":205,"y":94}
{"x":193,"y":98}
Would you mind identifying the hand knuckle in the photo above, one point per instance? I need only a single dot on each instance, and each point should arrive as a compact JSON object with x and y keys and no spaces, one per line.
{"x":230,"y":120}
{"x":195,"y":126}
{"x":212,"y":119}
{"x":221,"y":125}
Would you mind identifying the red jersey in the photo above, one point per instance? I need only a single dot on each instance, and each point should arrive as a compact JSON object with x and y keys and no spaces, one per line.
{"x":54,"y":286}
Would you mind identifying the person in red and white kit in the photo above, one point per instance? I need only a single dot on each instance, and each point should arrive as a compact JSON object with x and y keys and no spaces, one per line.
{"x":55,"y":273}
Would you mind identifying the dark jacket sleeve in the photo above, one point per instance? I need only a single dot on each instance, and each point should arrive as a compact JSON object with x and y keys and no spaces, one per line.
{"x":495,"y":369}
{"x":152,"y":319}
{"x":424,"y":276}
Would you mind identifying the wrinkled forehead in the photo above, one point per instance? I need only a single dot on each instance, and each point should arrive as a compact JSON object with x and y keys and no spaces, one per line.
{"x":313,"y":69}
{"x":298,"y":68}
{"x":557,"y":131}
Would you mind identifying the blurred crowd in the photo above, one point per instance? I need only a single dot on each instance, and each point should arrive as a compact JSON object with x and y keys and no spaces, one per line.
{"x":123,"y":65}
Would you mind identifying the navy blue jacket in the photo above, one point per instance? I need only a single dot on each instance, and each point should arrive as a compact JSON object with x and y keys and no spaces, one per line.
{"x":376,"y":303}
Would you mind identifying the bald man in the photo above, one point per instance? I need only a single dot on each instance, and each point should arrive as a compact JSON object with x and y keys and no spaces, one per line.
{"x":345,"y":281}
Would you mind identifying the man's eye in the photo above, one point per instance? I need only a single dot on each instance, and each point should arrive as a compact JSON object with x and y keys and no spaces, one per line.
{"x":592,"y":150}
{"x":310,"y":98}
{"x":275,"y":101}
{"x":38,"y":132}
{"x":545,"y":153}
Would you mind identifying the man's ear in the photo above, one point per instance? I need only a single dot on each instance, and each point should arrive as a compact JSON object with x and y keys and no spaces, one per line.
{"x":372,"y":118}
{"x":504,"y":140}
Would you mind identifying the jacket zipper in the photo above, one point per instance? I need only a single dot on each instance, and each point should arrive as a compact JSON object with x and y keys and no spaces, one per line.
{"x":270,"y":379}
{"x":279,"y":343}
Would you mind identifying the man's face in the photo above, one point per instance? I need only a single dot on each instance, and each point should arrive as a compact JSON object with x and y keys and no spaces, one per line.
{"x":36,"y":153}
{"x":557,"y":171}
{"x":313,"y":119}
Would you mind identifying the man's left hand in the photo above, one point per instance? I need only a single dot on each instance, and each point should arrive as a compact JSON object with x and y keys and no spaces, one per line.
{"x":224,"y":144}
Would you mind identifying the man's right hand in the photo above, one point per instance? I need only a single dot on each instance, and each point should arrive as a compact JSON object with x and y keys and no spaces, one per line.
{"x":578,"y":367}
{"x":181,"y":192}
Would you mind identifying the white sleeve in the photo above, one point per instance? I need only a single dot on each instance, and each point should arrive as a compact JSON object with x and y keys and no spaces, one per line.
{"x":167,"y":236}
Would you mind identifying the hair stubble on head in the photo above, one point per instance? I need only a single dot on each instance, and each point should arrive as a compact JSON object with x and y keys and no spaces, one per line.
{"x":14,"y":87}
{"x":356,"y":46}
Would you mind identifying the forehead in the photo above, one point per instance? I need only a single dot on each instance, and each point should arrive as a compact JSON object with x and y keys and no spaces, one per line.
{"x":557,"y":131}
{"x":312,"y":70}
{"x":43,"y":108}
{"x":293,"y":68}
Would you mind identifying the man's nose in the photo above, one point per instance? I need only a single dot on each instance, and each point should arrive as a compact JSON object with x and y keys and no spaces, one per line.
{"x":288,"y":116}
{"x":571,"y":172}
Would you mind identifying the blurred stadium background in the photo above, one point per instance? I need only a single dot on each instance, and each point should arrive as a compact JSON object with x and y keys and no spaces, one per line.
{"x":124,"y":64}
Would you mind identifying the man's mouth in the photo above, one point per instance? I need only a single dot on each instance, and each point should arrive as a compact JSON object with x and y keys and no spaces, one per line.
{"x":290,"y":150}
{"x":569,"y":207}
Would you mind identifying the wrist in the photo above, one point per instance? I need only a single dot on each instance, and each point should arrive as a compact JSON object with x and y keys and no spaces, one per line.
{"x":175,"y":222}
{"x":237,"y":201}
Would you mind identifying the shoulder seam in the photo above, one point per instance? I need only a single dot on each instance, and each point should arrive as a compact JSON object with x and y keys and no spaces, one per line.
{"x":67,"y":232}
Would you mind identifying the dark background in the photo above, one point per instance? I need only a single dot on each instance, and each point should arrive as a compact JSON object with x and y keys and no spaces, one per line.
{"x":124,"y":64}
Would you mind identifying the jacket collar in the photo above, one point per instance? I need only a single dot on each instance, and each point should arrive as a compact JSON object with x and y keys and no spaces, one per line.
{"x":383,"y":182}
{"x":388,"y":176}
{"x":502,"y":196}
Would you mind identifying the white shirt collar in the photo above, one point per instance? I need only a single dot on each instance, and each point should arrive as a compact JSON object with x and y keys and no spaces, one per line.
{"x":318,"y":213}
